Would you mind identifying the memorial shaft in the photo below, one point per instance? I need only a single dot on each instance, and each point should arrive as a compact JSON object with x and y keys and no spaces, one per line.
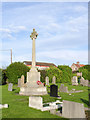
{"x":33,"y":53}
{"x":33,"y":37}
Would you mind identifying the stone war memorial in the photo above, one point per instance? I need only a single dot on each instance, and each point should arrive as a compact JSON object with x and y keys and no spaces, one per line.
{"x":33,"y":76}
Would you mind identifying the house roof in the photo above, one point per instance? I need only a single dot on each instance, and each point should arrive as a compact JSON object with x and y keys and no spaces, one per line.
{"x":78,"y":65}
{"x":39,"y":63}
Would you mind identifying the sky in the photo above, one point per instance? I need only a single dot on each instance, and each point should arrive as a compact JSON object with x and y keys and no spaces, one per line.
{"x":62,"y":29}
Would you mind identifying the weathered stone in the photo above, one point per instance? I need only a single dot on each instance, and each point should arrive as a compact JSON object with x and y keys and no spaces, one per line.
{"x":33,"y":76}
{"x":63,"y":89}
{"x":3,"y":106}
{"x":74,"y":80}
{"x":81,"y":81}
{"x":79,"y":74}
{"x":84,"y":82}
{"x":54,"y":80}
{"x":35,"y":102}
{"x":10,"y":87}
{"x":73,"y":110}
{"x":47,"y":80}
{"x":53,"y":111}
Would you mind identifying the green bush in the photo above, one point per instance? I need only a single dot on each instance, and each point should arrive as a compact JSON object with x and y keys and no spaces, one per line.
{"x":43,"y":75}
{"x":66,"y":73}
{"x":53,"y":71}
{"x":3,"y":77}
{"x":0,"y":76}
{"x":15,"y":70}
{"x":85,"y":71}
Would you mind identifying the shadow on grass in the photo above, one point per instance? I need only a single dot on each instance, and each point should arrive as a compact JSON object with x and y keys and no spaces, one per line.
{"x":85,"y":101}
{"x":13,"y":89}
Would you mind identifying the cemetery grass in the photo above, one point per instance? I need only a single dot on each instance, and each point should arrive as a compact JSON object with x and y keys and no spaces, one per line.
{"x":81,"y":97}
{"x":18,"y":106}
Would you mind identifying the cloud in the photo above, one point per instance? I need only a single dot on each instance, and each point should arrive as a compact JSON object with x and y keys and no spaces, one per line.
{"x":61,"y":27}
{"x":7,"y":32}
{"x":65,"y":55}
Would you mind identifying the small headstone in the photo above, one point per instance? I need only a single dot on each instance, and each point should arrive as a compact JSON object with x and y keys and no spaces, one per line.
{"x":54,"y":90}
{"x":81,"y":81}
{"x":54,"y":80}
{"x":21,"y":81}
{"x":74,"y":80}
{"x":73,"y":110}
{"x":10,"y":85}
{"x":79,"y":74}
{"x":84,"y":82}
{"x":47,"y":80}
{"x":63,"y":89}
{"x":3,"y":106}
{"x":53,"y":111}
{"x":36,"y":102}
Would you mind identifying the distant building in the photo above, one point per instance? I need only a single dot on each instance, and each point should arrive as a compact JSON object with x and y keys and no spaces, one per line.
{"x":76,"y":66}
{"x":39,"y":65}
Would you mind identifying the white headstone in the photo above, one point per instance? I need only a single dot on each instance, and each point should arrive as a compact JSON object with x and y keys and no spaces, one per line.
{"x":63,"y":89}
{"x":54,"y":80}
{"x":21,"y":81}
{"x":74,"y":80}
{"x":47,"y":80}
{"x":73,"y":110}
{"x":10,"y":85}
{"x":35,"y":102}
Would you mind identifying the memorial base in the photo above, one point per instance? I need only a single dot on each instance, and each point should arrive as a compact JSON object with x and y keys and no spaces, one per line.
{"x":40,"y":90}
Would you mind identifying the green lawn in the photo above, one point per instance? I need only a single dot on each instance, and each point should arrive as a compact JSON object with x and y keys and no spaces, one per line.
{"x":81,"y":97}
{"x":18,"y":105}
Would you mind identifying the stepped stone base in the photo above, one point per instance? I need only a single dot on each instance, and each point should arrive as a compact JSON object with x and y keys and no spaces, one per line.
{"x":40,"y":90}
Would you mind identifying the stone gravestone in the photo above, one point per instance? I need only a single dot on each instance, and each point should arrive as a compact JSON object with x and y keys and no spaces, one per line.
{"x":10,"y":85}
{"x":21,"y":81}
{"x":47,"y":80}
{"x":74,"y":80}
{"x":85,"y":83}
{"x":54,"y":80}
{"x":81,"y":81}
{"x":36,"y":102}
{"x":63,"y":89}
{"x":54,"y":90}
{"x":73,"y":110}
{"x":79,"y":74}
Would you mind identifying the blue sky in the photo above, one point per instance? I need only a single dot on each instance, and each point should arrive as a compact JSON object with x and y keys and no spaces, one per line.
{"x":62,"y":29}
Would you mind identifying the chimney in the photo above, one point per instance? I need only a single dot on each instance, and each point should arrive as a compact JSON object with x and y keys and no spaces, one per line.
{"x":78,"y":62}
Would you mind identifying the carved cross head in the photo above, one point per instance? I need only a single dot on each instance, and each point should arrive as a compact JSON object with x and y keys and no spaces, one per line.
{"x":34,"y":34}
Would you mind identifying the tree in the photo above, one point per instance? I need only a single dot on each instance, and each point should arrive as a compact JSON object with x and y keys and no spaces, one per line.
{"x":3,"y":76}
{"x":85,"y":71}
{"x":15,"y":70}
{"x":66,"y":73}
{"x":54,"y":71}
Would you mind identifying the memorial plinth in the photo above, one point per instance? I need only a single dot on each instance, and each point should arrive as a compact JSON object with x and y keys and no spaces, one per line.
{"x":31,"y":87}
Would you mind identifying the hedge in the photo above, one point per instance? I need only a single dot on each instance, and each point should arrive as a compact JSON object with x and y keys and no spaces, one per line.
{"x":54,"y":71}
{"x":66,"y":73}
{"x":15,"y":70}
{"x":85,"y":71}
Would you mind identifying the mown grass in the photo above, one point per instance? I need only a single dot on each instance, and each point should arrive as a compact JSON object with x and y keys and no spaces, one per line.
{"x":81,"y":97}
{"x":18,"y":106}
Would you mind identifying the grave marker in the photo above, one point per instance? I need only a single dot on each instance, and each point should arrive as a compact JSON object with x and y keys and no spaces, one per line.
{"x":47,"y":80}
{"x":10,"y":85}
{"x":54,"y":90}
{"x":54,"y":80}
{"x":73,"y":110}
